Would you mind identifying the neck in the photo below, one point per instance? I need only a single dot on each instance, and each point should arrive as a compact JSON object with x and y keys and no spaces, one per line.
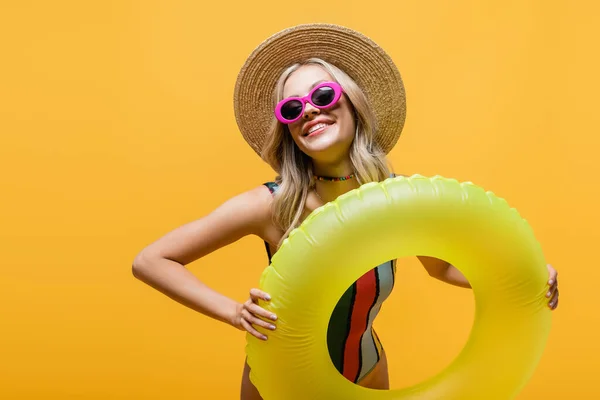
{"x":330,"y":190}
{"x":333,"y":169}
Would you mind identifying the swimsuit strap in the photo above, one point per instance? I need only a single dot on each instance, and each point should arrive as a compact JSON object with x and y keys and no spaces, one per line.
{"x":272,"y":186}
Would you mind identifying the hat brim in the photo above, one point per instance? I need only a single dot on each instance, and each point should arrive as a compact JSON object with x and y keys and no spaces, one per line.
{"x":358,"y":56}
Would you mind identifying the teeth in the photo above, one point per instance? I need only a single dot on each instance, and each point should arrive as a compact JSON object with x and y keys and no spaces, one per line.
{"x":317,"y":126}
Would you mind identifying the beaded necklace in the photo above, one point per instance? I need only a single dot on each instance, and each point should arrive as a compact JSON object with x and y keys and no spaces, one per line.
{"x":330,"y":179}
{"x":333,"y":178}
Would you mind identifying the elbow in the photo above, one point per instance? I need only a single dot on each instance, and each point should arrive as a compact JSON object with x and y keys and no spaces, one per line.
{"x":436,"y":268}
{"x":437,"y":273}
{"x":141,"y":263}
{"x":137,"y":265}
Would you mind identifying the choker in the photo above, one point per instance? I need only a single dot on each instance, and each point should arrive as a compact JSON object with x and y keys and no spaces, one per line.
{"x":333,"y":178}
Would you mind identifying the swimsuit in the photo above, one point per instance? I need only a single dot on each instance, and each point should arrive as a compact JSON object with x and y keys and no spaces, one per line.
{"x":353,"y":344}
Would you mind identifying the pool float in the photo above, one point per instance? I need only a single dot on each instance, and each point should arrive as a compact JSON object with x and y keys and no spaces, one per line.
{"x":474,"y":230}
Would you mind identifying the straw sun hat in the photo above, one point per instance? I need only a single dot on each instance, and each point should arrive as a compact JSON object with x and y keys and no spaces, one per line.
{"x":355,"y":54}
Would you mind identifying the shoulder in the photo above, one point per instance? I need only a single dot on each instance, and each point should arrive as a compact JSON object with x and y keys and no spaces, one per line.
{"x":249,"y":210}
{"x":258,"y":198}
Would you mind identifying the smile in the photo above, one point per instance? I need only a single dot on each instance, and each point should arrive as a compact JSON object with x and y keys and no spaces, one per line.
{"x":317,"y":129}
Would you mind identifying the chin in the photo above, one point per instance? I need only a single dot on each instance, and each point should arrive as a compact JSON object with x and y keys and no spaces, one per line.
{"x":326,"y":144}
{"x":328,"y":150}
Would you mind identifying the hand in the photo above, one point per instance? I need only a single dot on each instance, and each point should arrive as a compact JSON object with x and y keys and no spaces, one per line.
{"x":249,"y":312}
{"x":552,"y":293}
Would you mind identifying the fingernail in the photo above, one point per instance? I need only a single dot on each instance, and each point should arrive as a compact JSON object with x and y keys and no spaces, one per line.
{"x":550,"y":282}
{"x":267,"y":297}
{"x":272,"y":327}
{"x":273,"y":317}
{"x":548,"y":294}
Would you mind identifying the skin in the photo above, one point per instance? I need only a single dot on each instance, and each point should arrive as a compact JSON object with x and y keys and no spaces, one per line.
{"x":162,"y":264}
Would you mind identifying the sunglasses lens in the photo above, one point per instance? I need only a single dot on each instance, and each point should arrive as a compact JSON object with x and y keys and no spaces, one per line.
{"x":291,"y":109}
{"x":323,"y":96}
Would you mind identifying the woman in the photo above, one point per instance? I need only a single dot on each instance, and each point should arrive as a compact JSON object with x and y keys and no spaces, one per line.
{"x":339,"y":108}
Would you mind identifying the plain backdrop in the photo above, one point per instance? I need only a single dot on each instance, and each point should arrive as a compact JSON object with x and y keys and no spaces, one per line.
{"x":117,"y":125}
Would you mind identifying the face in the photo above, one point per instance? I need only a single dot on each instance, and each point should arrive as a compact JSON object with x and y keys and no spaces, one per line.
{"x":323,"y":134}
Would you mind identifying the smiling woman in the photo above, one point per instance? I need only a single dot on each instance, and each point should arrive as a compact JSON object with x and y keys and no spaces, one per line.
{"x":322,"y":105}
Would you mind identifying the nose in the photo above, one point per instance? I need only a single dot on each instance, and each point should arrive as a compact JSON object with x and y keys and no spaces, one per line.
{"x":310,"y":111}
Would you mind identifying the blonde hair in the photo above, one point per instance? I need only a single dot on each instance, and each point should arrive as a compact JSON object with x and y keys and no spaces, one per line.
{"x":295,"y":167}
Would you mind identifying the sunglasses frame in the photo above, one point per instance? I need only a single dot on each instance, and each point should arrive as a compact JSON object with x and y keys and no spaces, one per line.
{"x":337,"y":90}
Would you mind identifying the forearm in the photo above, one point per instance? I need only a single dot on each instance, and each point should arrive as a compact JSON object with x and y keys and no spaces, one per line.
{"x":178,"y":283}
{"x":443,"y":271}
{"x":454,"y":277}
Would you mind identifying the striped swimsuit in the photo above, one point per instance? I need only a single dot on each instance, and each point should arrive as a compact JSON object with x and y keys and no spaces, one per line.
{"x":353,"y":345}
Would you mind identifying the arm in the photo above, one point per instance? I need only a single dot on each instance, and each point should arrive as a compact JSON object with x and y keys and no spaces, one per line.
{"x":162,"y":263}
{"x":443,"y":271}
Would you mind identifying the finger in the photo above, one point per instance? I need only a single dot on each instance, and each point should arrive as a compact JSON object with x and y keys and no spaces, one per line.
{"x":258,"y":310}
{"x":551,"y":290}
{"x":252,"y":331}
{"x":553,"y":275}
{"x":553,"y":303}
{"x":259,"y":294}
{"x":257,"y":321}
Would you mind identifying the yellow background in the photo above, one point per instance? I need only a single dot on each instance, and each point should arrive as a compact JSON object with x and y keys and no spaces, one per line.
{"x":116,"y":125}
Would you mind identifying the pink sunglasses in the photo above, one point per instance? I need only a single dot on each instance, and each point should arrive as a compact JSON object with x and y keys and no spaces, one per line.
{"x":324,"y":95}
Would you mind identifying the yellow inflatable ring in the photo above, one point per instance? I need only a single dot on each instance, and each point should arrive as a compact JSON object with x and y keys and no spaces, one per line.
{"x":458,"y":222}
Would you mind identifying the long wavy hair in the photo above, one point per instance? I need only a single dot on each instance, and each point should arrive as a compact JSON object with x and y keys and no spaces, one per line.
{"x":295,"y":168}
